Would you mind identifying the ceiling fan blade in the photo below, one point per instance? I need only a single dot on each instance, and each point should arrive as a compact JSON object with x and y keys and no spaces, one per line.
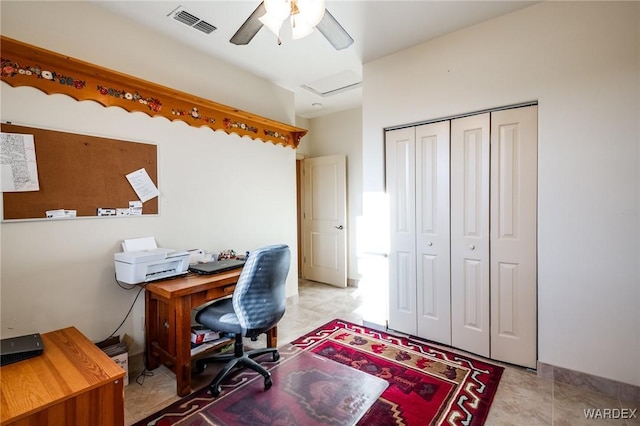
{"x":334,"y":32}
{"x":250,"y":27}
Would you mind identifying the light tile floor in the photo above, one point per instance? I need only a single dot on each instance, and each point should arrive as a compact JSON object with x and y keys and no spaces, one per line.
{"x":522,"y":397}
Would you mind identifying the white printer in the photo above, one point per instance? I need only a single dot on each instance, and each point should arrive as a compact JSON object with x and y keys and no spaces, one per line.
{"x":142,"y":261}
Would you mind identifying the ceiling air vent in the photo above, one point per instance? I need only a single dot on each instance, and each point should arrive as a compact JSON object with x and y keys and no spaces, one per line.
{"x":181,"y":15}
{"x":205,"y":27}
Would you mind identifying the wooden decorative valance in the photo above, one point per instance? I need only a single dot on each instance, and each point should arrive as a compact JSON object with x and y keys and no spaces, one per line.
{"x":26,"y":65}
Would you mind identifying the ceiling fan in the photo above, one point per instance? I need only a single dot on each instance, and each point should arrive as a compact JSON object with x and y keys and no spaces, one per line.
{"x":305,"y":16}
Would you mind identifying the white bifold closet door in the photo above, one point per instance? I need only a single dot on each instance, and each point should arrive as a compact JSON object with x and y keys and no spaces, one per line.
{"x":463,"y":254}
{"x":470,"y":328}
{"x":514,"y":163}
{"x":418,"y":187}
{"x":401,"y":186}
{"x":493,"y":235}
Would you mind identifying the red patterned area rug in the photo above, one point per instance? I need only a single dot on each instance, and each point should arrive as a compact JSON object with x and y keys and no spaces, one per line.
{"x":427,"y":385}
{"x":345,"y":374}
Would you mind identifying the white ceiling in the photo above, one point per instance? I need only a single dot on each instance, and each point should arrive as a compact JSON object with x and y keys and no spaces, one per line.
{"x":378,"y":28}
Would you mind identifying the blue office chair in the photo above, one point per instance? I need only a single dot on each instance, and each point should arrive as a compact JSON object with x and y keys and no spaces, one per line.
{"x":257,"y":304}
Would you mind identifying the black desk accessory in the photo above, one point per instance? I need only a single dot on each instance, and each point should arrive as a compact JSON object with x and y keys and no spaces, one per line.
{"x":14,"y":349}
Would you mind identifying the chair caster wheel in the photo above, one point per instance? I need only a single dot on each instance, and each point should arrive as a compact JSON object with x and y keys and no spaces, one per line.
{"x":267,"y":383}
{"x":276,"y":356}
{"x":215,"y":391}
{"x":200,"y":366}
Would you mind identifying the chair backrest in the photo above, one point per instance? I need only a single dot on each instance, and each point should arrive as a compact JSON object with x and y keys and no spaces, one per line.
{"x":259,"y":298}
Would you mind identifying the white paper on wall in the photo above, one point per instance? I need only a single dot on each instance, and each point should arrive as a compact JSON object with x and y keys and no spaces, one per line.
{"x":18,"y":163}
{"x":143,"y":185}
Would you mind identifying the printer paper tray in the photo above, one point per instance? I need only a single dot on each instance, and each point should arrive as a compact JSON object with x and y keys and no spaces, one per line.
{"x":162,"y":275}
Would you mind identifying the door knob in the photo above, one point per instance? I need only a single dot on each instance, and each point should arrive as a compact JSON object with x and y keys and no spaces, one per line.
{"x":430,"y":243}
{"x":472,"y":247}
{"x":339,"y":227}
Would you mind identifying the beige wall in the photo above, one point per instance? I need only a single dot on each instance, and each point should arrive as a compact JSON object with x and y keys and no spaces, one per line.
{"x":218,"y":191}
{"x":581,"y":62}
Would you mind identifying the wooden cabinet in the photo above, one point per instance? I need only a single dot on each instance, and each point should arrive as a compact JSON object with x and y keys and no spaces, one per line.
{"x":73,"y":383}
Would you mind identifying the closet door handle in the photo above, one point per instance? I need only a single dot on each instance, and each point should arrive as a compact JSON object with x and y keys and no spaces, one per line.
{"x":339,"y":227}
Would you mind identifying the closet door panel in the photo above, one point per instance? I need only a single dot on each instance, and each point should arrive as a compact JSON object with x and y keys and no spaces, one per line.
{"x":470,"y":328}
{"x":400,"y":179}
{"x":432,"y":232}
{"x":513,"y":235}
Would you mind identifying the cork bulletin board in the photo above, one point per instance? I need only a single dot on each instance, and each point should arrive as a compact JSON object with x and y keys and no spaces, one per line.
{"x":82,"y":173}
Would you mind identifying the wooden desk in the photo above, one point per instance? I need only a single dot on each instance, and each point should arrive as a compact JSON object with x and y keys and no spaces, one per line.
{"x":168,"y":305}
{"x":71,"y":383}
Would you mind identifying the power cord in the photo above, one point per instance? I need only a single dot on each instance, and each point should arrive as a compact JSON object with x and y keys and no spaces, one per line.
{"x":140,"y":288}
{"x":130,"y":286}
{"x":144,"y":373}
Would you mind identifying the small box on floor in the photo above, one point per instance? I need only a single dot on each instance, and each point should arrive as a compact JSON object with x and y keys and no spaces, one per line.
{"x":119,"y":352}
{"x":122,"y":359}
{"x":203,"y":335}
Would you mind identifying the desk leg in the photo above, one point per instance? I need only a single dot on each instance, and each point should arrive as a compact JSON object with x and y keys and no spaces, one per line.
{"x":183,"y":346}
{"x":151,"y":329}
{"x":272,"y":337}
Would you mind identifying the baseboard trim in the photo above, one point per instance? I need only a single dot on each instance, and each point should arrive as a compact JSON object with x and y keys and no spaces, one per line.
{"x":612,"y":388}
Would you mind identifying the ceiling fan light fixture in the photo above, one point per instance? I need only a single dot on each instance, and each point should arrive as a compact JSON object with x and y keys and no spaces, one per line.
{"x":273,"y":23}
{"x":278,"y":9}
{"x":309,"y":11}
{"x":276,"y":12}
{"x":299,"y":29}
{"x":305,"y":15}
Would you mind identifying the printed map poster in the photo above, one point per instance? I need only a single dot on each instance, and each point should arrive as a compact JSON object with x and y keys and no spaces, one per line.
{"x":19,"y":170}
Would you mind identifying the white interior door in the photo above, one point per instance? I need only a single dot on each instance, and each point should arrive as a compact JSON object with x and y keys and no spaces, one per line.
{"x":432,"y":232}
{"x":325,"y":220}
{"x":514,"y":139}
{"x":470,"y":326}
{"x":401,"y":189}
